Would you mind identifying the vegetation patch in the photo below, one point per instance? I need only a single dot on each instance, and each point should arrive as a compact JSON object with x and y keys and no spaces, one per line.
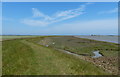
{"x":28,"y":57}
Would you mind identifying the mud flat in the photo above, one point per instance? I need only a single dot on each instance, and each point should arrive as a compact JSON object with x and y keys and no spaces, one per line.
{"x":106,"y":38}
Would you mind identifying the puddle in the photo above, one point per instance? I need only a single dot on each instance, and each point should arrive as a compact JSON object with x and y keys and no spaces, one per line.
{"x":97,"y":54}
{"x":53,"y":43}
{"x":47,"y":45}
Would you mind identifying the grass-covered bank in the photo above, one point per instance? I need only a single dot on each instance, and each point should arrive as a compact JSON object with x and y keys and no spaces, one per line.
{"x":22,"y":57}
{"x":85,"y":47}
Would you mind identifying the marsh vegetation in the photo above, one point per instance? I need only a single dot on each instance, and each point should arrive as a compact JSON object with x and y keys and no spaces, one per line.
{"x":31,"y":56}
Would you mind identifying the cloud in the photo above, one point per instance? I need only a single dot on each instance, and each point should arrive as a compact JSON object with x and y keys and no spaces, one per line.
{"x":32,"y":22}
{"x":115,"y":10}
{"x":37,"y":13}
{"x":106,"y":26}
{"x":44,"y":20}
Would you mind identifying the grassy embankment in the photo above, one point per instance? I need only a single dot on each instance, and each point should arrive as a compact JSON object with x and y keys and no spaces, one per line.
{"x":27,"y":57}
{"x":85,"y":47}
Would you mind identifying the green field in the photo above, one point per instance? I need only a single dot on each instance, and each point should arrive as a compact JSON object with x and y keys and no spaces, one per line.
{"x":30,"y":56}
{"x":9,"y":37}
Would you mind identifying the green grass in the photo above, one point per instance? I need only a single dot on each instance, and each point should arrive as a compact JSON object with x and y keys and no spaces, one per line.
{"x":27,"y":57}
{"x":81,"y":46}
{"x":86,"y":47}
{"x":9,"y":37}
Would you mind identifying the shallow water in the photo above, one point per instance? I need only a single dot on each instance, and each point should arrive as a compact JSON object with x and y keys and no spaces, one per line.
{"x":97,"y":54}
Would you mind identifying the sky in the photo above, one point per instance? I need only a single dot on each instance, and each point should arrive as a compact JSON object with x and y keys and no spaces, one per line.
{"x":60,"y":0}
{"x":59,"y":18}
{"x":0,"y":18}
